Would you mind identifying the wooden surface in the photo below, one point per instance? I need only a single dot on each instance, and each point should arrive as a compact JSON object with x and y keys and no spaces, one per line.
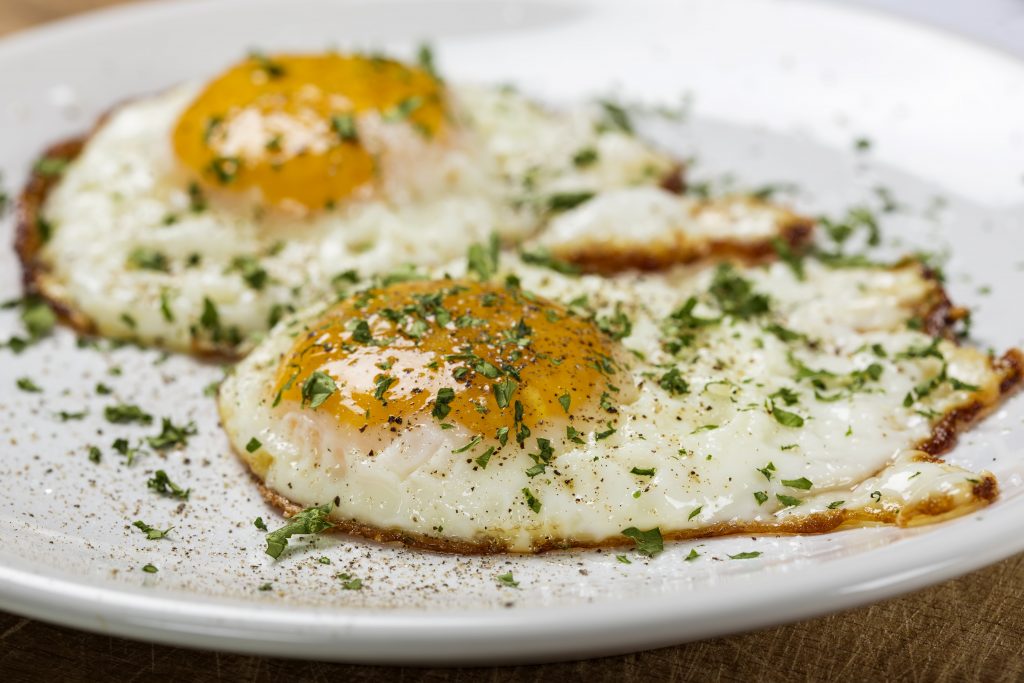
{"x":968,"y":629}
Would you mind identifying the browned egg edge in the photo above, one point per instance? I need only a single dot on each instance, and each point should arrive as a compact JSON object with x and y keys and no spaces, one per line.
{"x":944,"y":434}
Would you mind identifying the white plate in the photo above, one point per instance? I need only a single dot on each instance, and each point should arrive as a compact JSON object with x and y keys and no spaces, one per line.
{"x":780,"y":91}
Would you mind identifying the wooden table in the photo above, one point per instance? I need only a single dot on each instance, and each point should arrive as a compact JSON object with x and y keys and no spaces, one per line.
{"x":967,"y":629}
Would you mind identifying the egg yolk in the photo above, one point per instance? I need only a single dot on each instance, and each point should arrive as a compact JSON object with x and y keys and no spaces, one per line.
{"x":500,"y":362}
{"x":290,"y":126}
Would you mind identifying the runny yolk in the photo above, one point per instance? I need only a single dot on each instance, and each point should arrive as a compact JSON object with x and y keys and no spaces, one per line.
{"x":499,"y":362}
{"x":290,"y":126}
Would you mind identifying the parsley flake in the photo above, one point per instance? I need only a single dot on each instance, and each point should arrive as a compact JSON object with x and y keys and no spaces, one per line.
{"x":161,"y":483}
{"x":507,"y":580}
{"x":648,"y":542}
{"x":312,"y":520}
{"x":317,"y":388}
{"x":152,"y":533}
{"x":749,"y":555}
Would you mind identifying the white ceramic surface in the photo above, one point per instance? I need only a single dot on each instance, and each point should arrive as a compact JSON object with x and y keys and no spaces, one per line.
{"x":778,"y":91}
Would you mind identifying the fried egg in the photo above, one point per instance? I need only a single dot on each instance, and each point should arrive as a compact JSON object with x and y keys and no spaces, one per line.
{"x":533,"y":409}
{"x":196,"y":217}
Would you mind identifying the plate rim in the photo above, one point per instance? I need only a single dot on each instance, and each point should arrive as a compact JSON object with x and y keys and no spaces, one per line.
{"x":526,"y":633}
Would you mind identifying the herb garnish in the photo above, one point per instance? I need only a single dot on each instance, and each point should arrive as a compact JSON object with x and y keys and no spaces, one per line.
{"x":125,"y":413}
{"x":312,"y":520}
{"x":349,"y":582}
{"x":648,"y":542}
{"x":152,"y":533}
{"x":507,"y":580}
{"x":483,"y":258}
{"x":26,"y":384}
{"x":344,"y":126}
{"x":317,"y":388}
{"x":171,"y":435}
{"x":161,"y":483}
{"x":531,"y":500}
{"x":749,"y":555}
{"x":145,"y":258}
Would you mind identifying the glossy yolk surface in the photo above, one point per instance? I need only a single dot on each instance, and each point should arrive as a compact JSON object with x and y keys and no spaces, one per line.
{"x":504,"y":358}
{"x":290,"y":125}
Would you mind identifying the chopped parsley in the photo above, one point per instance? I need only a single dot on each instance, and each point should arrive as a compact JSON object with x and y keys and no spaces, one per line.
{"x":171,"y":435}
{"x":786,"y":418}
{"x":542,"y":257}
{"x":643,"y":471}
{"x":250,"y":270}
{"x":94,"y":454}
{"x":485,"y":458}
{"x":273,"y":70}
{"x":165,"y":305}
{"x":317,"y":388}
{"x":735,"y":295}
{"x":126,"y":413}
{"x":161,"y":483}
{"x":472,"y":444}
{"x":542,"y":458}
{"x":344,"y":126}
{"x":26,"y":384}
{"x":149,"y":569}
{"x":349,"y":582}
{"x":260,"y":524}
{"x":673,"y":382}
{"x":565,"y":400}
{"x":531,"y":500}
{"x":381,"y":386}
{"x":585,"y":157}
{"x":615,"y":117}
{"x":253,"y":445}
{"x":482,"y":259}
{"x":802,"y":483}
{"x":694,"y":512}
{"x":51,"y":167}
{"x":507,"y":580}
{"x":564,"y":201}
{"x":767,"y":471}
{"x":749,"y":555}
{"x":312,"y":520}
{"x":225,"y":169}
{"x":648,"y":542}
{"x":617,"y":326}
{"x":442,"y":404}
{"x":788,"y":501}
{"x":692,"y":556}
{"x":835,"y":504}
{"x":425,"y":59}
{"x":121,"y":446}
{"x":761,"y":497}
{"x":145,"y":258}
{"x":152,"y":533}
{"x":503,"y":391}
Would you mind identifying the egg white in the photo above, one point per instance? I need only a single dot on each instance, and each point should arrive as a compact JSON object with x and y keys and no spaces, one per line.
{"x":126,"y":191}
{"x":711,"y":449}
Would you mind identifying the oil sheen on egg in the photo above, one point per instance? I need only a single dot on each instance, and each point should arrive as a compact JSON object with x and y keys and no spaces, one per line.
{"x":538,"y":410}
{"x":196,"y":217}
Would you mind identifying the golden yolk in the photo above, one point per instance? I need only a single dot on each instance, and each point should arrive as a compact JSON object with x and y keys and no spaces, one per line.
{"x":489,"y":358}
{"x":290,"y":126}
